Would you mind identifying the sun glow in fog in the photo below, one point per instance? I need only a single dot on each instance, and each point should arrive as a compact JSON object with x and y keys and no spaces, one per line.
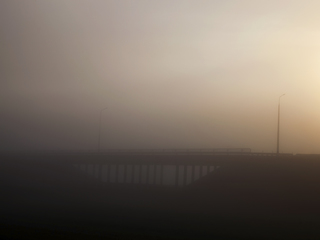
{"x":190,"y":74}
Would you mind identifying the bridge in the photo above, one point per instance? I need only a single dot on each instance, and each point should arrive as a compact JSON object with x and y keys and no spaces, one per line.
{"x":152,"y":167}
{"x":212,"y":191}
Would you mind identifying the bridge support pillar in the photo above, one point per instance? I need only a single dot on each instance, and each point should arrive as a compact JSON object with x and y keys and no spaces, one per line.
{"x":140,"y":174}
{"x":148,"y":175}
{"x":108,"y":173}
{"x":117,"y":173}
{"x":125,"y":173}
{"x":161,"y":174}
{"x":99,"y":172}
{"x":132,"y":174}
{"x":185,"y":175}
{"x":193,"y":173}
{"x":177,"y":175}
{"x":154,"y":174}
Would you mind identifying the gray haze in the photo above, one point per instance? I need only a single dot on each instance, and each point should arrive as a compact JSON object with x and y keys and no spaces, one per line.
{"x":173,"y":74}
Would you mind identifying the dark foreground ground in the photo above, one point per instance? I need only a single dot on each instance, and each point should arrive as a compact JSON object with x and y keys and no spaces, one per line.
{"x":268,"y":198}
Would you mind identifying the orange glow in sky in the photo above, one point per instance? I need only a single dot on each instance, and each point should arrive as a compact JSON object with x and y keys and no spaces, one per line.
{"x":173,"y":74}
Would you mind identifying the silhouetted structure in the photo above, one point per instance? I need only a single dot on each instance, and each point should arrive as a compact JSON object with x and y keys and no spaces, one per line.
{"x":256,"y":195}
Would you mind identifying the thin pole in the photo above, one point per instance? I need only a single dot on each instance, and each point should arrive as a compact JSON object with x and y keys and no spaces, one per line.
{"x":278,"y":132}
{"x":99,"y":138}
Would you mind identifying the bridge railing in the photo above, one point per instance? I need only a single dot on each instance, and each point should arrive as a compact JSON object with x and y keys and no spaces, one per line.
{"x":179,"y":151}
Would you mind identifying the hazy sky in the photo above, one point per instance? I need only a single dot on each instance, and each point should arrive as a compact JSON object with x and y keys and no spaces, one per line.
{"x":173,"y":74}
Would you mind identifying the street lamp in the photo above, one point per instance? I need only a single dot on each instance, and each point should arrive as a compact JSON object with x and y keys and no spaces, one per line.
{"x":278,"y":123}
{"x":100,"y":128}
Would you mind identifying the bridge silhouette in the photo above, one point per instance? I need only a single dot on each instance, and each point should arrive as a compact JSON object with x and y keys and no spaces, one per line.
{"x":170,"y":167}
{"x":152,"y":167}
{"x":210,"y":191}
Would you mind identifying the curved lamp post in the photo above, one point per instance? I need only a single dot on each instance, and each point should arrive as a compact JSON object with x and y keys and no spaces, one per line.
{"x":99,"y":140}
{"x":278,"y":123}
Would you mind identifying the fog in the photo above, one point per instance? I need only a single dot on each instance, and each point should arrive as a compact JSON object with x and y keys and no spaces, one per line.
{"x":172,"y":74}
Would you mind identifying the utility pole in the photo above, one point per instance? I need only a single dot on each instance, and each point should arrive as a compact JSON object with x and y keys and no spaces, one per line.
{"x":278,"y":132}
{"x":99,"y":139}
